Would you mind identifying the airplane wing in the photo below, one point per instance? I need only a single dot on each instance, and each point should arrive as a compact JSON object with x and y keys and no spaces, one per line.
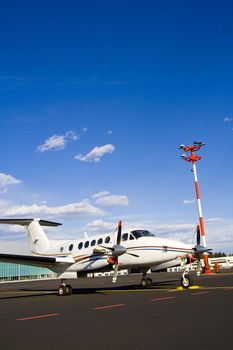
{"x":40,"y":261}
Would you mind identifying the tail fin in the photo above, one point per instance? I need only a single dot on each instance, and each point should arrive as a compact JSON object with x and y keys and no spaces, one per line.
{"x":38,"y":240}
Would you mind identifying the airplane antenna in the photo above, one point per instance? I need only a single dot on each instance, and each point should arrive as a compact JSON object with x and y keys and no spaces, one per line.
{"x":193,"y":158}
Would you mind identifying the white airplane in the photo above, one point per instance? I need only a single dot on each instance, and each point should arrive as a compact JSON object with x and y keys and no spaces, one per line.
{"x":135,"y":250}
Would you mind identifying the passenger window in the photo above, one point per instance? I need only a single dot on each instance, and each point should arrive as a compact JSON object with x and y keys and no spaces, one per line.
{"x":80,"y":245}
{"x":107,"y":239}
{"x":131,"y":237}
{"x":93,"y":242}
{"x":61,"y":249}
{"x":100,"y":241}
{"x":124,"y":237}
{"x":86,"y":245}
{"x":71,"y":247}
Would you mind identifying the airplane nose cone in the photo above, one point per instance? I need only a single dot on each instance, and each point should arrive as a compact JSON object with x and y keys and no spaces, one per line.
{"x":118,"y":250}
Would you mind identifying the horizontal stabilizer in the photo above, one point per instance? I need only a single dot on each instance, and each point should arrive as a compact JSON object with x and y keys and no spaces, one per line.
{"x":26,"y":222}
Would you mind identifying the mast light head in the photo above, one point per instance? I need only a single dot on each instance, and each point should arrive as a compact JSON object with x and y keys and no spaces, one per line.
{"x":181,"y":146}
{"x":199,"y":143}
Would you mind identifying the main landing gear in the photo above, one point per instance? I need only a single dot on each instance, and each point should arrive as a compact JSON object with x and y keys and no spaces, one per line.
{"x":186,"y":281}
{"x":64,"y":289}
{"x":146,"y":282}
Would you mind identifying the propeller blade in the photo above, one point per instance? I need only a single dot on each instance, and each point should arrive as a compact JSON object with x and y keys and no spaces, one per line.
{"x":115,"y":272}
{"x":107,"y":248}
{"x":208,"y":250}
{"x":198,"y":235}
{"x":200,"y":250}
{"x":198,"y":267}
{"x":119,"y":232}
{"x":136,"y":256}
{"x":183,"y":263}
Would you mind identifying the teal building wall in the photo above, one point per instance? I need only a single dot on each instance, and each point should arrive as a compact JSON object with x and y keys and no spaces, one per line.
{"x":14,"y":272}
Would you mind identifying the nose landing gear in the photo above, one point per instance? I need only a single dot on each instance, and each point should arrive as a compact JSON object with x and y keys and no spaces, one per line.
{"x":186,"y":281}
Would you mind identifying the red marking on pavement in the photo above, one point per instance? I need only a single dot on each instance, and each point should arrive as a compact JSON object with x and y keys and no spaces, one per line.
{"x":36,"y":317}
{"x":199,"y":293}
{"x":108,"y":307}
{"x":166,"y":298}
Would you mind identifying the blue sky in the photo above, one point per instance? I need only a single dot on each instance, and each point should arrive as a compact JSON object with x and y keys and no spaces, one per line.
{"x":95,"y":98}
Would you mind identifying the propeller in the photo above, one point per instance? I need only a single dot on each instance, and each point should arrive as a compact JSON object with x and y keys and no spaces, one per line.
{"x":199,"y":250}
{"x":116,"y":251}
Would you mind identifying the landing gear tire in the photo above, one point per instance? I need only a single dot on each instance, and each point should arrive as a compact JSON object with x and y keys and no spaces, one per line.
{"x":186,"y":281}
{"x":64,"y":290}
{"x":149,"y":281}
{"x":146,"y":282}
{"x":68,"y":289}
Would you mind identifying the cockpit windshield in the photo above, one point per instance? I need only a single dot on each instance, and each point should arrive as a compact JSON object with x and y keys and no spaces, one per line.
{"x":142,"y":233}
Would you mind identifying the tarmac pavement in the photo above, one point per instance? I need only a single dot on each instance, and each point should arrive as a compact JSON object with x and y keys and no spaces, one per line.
{"x":102,"y":315}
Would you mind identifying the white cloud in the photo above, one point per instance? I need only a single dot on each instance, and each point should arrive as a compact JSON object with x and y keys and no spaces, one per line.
{"x":7,"y":180}
{"x":219,"y":232}
{"x":4,"y":204}
{"x":85,"y":129}
{"x":182,"y":232}
{"x":188,"y":201}
{"x":107,"y":199}
{"x":100,"y":194}
{"x":100,"y":226}
{"x":54,"y":142}
{"x":228,"y":119}
{"x":79,"y":209}
{"x":10,"y":229}
{"x":96,"y":153}
{"x":215,"y":219}
{"x":71,"y":135}
{"x":109,"y":132}
{"x":112,"y":200}
{"x":57,"y":142}
{"x":15,"y":244}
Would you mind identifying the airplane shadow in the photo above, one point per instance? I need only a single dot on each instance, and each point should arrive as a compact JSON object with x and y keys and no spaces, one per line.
{"x":104,"y":290}
{"x":24,"y":296}
{"x":29,"y":292}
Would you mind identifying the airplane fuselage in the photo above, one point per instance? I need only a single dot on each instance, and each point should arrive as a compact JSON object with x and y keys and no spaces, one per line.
{"x":149,"y":251}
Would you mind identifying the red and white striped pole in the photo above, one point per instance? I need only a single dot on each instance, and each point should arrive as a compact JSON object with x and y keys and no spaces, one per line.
{"x":193,"y":158}
{"x":202,"y":227}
